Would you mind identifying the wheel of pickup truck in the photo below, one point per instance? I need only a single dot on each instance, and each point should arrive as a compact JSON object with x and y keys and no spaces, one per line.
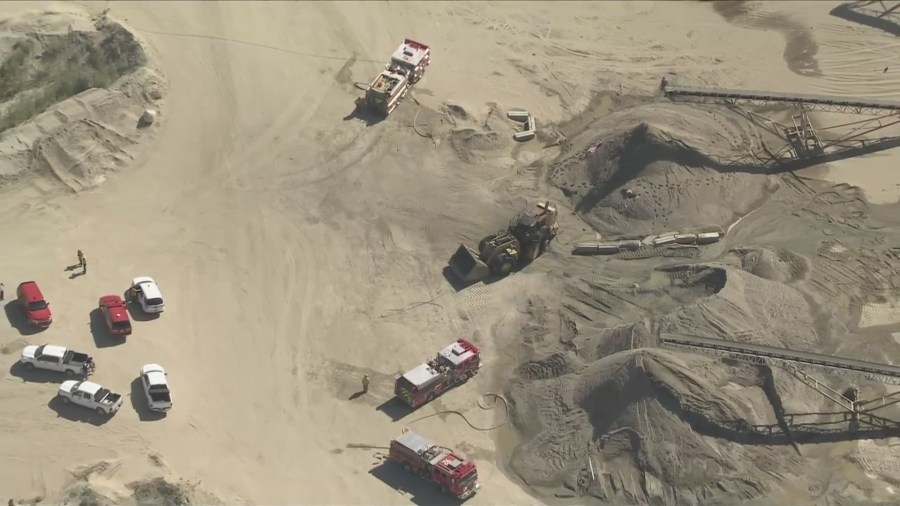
{"x":70,"y":372}
{"x":101,"y":412}
{"x":65,"y":400}
{"x":29,"y":366}
{"x":406,"y":467}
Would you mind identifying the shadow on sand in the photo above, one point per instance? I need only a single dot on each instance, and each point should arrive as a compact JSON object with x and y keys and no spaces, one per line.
{"x":394,"y":408}
{"x":362,"y":113}
{"x":867,"y":13}
{"x":420,"y":491}
{"x":77,"y":413}
{"x":139,"y":403}
{"x":460,"y":285}
{"x":18,"y":321}
{"x":18,"y":370}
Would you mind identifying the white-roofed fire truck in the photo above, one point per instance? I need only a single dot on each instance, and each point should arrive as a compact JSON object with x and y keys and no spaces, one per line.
{"x":453,"y":473}
{"x":452,"y":366}
{"x":407,"y":66}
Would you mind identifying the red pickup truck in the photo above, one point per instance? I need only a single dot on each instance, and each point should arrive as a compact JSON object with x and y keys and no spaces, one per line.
{"x":35,"y":308}
{"x":115,"y":315}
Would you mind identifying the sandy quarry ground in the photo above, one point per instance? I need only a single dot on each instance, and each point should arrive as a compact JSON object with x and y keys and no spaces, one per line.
{"x":295,"y":247}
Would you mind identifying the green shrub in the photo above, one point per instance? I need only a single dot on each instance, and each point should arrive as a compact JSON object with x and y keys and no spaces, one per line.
{"x":68,"y":66}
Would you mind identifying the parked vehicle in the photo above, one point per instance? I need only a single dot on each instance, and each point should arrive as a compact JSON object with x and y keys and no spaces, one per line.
{"x":115,"y":315}
{"x":146,"y":293}
{"x":35,"y":308}
{"x":453,"y":473}
{"x":57,"y":358}
{"x":156,"y":387}
{"x":90,"y":395}
{"x":452,"y":366}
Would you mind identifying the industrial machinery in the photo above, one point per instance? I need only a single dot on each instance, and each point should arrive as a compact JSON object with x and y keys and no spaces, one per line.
{"x":524,"y":240}
{"x":451,"y":472}
{"x":406,"y":68}
{"x":452,"y":366}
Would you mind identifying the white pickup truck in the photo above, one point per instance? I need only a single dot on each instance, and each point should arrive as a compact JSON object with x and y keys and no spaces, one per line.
{"x":90,"y":395}
{"x":156,"y":388}
{"x":56,"y":358}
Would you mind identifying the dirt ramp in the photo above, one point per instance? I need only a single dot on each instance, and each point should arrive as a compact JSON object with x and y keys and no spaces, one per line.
{"x":658,"y":166}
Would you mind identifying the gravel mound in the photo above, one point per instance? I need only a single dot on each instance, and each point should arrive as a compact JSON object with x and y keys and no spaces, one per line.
{"x":664,"y":427}
{"x":685,"y":168}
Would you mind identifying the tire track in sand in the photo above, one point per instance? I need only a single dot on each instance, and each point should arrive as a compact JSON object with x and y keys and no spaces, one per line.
{"x":800,"y":45}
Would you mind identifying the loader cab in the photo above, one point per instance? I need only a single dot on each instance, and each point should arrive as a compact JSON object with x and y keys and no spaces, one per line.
{"x":527,"y":227}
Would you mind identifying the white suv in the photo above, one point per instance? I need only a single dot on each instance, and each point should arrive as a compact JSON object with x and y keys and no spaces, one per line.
{"x":146,"y":292}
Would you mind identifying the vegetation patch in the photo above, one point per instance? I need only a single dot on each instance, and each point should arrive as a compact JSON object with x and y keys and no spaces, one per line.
{"x":44,"y":69}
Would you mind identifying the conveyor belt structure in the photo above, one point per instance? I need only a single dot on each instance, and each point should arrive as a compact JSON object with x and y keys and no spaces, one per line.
{"x":842,"y":366}
{"x":808,"y":102}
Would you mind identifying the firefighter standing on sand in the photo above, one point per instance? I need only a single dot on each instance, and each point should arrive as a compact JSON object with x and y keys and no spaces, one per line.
{"x":82,"y":262}
{"x":365,"y":383}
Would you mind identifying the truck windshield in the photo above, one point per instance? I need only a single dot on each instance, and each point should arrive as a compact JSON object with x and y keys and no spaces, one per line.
{"x":37,"y":305}
{"x":468,"y":480}
{"x":121,"y":325}
{"x":155,"y":301}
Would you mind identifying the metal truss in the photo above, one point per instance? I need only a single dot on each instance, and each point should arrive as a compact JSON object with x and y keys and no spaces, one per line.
{"x":782,"y":357}
{"x":802,"y":102}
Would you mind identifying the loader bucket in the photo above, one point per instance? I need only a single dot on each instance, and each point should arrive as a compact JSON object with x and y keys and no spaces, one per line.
{"x":466,"y":265}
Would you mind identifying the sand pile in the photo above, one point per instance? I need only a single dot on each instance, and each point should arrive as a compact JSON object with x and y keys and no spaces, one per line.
{"x":782,"y":266}
{"x":73,"y":92}
{"x":662,"y":426}
{"x":100,"y":485}
{"x":481,"y":137}
{"x":687,"y":167}
{"x":645,"y":418}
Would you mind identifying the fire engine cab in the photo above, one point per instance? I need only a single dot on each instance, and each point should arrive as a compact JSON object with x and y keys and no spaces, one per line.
{"x":407,"y":66}
{"x":451,"y":472}
{"x":452,"y":366}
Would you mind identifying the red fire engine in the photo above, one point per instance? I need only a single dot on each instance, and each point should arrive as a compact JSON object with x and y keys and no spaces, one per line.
{"x":452,"y":366}
{"x":451,"y":472}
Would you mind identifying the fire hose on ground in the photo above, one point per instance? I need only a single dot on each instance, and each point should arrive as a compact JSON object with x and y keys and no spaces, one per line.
{"x":482,"y":405}
{"x":381,"y":456}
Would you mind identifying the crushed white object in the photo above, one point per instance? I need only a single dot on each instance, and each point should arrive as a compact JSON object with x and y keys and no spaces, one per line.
{"x":148,"y":117}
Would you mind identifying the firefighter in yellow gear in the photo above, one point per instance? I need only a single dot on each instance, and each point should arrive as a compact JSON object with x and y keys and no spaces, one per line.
{"x":82,"y":262}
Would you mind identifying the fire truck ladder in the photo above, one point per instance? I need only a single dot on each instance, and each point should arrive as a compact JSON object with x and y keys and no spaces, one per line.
{"x":797,"y":363}
{"x":802,"y":139}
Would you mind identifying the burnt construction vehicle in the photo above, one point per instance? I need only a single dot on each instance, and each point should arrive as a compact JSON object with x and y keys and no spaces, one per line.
{"x":454,"y":365}
{"x":406,"y":68}
{"x":498,"y":254}
{"x":450,"y":471}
